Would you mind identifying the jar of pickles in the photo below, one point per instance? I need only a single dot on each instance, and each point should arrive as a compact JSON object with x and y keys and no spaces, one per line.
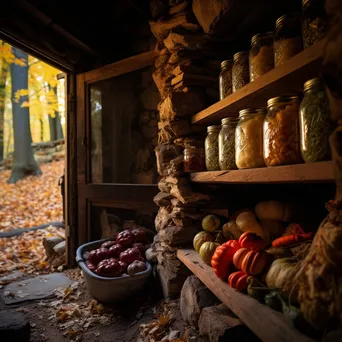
{"x":314,"y":21}
{"x":281,"y":131}
{"x":248,"y":139}
{"x":226,"y":79}
{"x":315,"y":123}
{"x":211,"y":148}
{"x":240,"y":70}
{"x":261,"y":56}
{"x":287,"y":38}
{"x":194,"y":159}
{"x":227,"y":144}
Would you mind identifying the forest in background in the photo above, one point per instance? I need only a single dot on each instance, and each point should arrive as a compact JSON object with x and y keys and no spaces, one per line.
{"x":32,"y":108}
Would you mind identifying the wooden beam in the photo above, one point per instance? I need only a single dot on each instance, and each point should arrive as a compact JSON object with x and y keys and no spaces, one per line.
{"x":269,"y":325}
{"x":299,"y":173}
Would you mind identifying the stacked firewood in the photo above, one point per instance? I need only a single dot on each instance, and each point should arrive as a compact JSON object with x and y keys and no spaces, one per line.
{"x":184,"y":76}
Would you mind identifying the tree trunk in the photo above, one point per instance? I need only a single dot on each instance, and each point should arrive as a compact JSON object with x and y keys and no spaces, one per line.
{"x":23,"y":161}
{"x":3,"y":77}
{"x":56,"y":131}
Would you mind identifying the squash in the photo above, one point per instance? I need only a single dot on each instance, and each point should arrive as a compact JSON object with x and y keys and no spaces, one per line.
{"x":231,"y":231}
{"x":247,"y":222}
{"x":252,"y":263}
{"x":252,"y":241}
{"x":256,"y":289}
{"x":222,"y":260}
{"x":211,"y":222}
{"x":272,"y":229}
{"x":200,"y":238}
{"x":207,"y":250}
{"x":238,"y":212}
{"x":281,"y":272}
{"x":238,"y":280}
{"x":219,"y":237}
{"x":273,"y":210}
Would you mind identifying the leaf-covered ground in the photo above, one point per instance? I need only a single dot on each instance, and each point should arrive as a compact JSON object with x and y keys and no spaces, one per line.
{"x":30,"y":202}
{"x":33,"y":200}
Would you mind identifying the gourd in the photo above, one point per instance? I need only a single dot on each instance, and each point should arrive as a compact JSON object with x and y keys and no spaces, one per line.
{"x":280,"y":273}
{"x":252,"y":263}
{"x":210,"y":223}
{"x":252,"y":241}
{"x":256,"y":289}
{"x":135,"y":267}
{"x":238,"y":280}
{"x":207,"y":250}
{"x":200,"y":238}
{"x":247,"y":222}
{"x":231,"y":231}
{"x":273,"y":210}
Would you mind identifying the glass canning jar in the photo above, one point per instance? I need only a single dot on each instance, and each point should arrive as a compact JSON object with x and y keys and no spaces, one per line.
{"x":248,"y":139}
{"x":261,"y":55}
{"x":211,"y":148}
{"x":281,"y":131}
{"x":314,"y":21}
{"x":226,"y":79}
{"x":194,"y":160}
{"x":287,"y":38}
{"x":315,"y":122}
{"x":226,"y":144}
{"x":240,"y":70}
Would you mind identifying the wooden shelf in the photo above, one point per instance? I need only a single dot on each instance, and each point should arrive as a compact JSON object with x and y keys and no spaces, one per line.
{"x":300,"y":173}
{"x":267,"y":324}
{"x":285,"y":79}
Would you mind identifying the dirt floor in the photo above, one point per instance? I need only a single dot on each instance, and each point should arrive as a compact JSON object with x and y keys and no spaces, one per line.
{"x":73,"y":315}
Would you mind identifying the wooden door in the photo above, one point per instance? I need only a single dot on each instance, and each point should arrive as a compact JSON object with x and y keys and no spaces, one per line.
{"x":102,"y":143}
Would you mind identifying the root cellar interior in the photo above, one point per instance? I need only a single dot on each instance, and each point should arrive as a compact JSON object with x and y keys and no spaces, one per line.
{"x":210,"y":160}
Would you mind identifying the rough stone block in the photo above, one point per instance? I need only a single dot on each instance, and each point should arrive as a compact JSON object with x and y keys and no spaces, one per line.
{"x":14,"y":327}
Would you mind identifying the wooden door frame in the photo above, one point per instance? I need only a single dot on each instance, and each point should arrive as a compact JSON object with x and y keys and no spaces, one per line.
{"x":123,"y":195}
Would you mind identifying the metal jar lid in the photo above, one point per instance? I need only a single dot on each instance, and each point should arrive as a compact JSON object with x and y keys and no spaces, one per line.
{"x":281,"y":99}
{"x":226,"y":63}
{"x":240,"y":54}
{"x":252,"y":111}
{"x":315,"y":82}
{"x":259,"y":36}
{"x":230,"y":120}
{"x":284,"y":17}
{"x":213,"y":128}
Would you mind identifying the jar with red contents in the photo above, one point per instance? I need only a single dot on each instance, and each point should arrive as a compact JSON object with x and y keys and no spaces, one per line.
{"x":194,"y":159}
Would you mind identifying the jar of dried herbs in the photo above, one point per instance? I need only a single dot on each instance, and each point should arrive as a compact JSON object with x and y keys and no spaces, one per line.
{"x":261,"y":56}
{"x":248,"y":139}
{"x":240,"y":70}
{"x":314,"y":21}
{"x":226,"y":144}
{"x":211,"y":148}
{"x":287,"y":38}
{"x":281,"y":131}
{"x":226,"y":79}
{"x":194,"y":160}
{"x":315,"y":122}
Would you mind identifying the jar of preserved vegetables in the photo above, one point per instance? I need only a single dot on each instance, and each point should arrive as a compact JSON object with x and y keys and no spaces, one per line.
{"x":287,"y":38}
{"x":194,"y":160}
{"x":240,"y":70}
{"x":315,"y":123}
{"x":211,"y":148}
{"x":226,"y":79}
{"x":248,"y":139}
{"x":261,"y":55}
{"x":227,"y":144}
{"x":281,"y":131}
{"x":314,"y":21}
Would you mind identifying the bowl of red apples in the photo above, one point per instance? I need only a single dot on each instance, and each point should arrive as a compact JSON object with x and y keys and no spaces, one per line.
{"x":115,"y":269}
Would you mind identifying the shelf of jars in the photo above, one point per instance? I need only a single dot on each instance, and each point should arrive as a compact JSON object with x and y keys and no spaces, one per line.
{"x":305,"y":173}
{"x":287,"y":78}
{"x":269,"y":325}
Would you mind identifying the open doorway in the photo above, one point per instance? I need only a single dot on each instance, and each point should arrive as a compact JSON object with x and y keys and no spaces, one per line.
{"x":32,"y":154}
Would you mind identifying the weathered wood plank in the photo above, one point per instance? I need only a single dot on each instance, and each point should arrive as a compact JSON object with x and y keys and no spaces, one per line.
{"x":285,"y":79}
{"x":311,"y":172}
{"x":267,"y":324}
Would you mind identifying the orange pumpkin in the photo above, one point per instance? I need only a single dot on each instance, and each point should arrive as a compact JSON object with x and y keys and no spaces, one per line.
{"x":250,"y":262}
{"x":238,"y":280}
{"x":252,"y":241}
